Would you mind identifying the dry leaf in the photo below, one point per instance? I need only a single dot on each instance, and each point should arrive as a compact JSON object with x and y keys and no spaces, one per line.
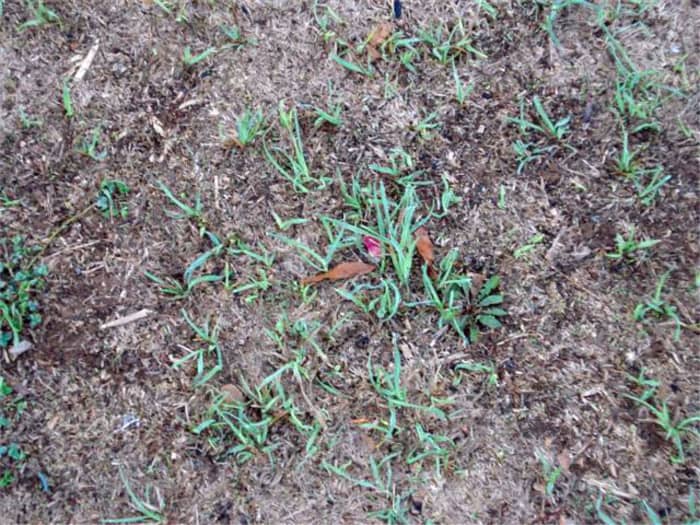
{"x":232,"y":141}
{"x":380,"y":33}
{"x":377,"y":37}
{"x":342,"y":271}
{"x":425,"y":248}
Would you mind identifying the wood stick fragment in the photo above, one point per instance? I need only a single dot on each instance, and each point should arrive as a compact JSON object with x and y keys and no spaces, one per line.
{"x":141,"y":314}
{"x":86,"y":62}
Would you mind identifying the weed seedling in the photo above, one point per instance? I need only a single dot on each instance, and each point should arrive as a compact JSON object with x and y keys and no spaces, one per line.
{"x":189,"y":212}
{"x":550,"y":474}
{"x":166,"y":6}
{"x":27,"y":121}
{"x":325,"y":21}
{"x":427,"y":125}
{"x":19,"y":286}
{"x":531,"y":244}
{"x":7,"y":202}
{"x":12,"y":457}
{"x":448,"y":198}
{"x":89,"y":146}
{"x":383,"y":300}
{"x":109,"y":198}
{"x":285,"y":224}
{"x":462,"y":92}
{"x":431,"y":446}
{"x":445,"y":46}
{"x":67,"y":99}
{"x":366,"y":70}
{"x":659,"y":307}
{"x":627,"y":249}
{"x":625,"y":162}
{"x":382,"y":483}
{"x":237,"y":40}
{"x":648,"y":183}
{"x":674,"y":428}
{"x":41,"y":16}
{"x":232,"y":419}
{"x":476,"y":368}
{"x":400,"y":162}
{"x":249,"y":126}
{"x":529,"y":152}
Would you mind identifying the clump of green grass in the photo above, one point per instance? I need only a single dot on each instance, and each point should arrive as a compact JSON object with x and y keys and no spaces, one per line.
{"x":647,"y":181}
{"x":550,"y":475}
{"x":381,"y":484}
{"x":446,"y":45}
{"x":545,"y":125}
{"x":236,"y":39}
{"x":388,"y":385}
{"x":67,"y":99}
{"x":293,"y":165}
{"x":28,"y":121}
{"x":462,"y":92}
{"x":249,"y":126}
{"x":675,"y":428}
{"x":19,"y":287}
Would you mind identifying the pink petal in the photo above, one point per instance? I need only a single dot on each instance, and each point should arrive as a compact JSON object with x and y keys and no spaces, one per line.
{"x":372,"y":245}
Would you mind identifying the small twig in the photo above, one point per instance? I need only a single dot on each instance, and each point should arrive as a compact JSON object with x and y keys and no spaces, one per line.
{"x":86,"y":62}
{"x":141,"y":314}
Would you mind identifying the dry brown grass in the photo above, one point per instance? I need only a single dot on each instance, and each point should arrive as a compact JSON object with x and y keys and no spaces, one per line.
{"x":561,"y":359}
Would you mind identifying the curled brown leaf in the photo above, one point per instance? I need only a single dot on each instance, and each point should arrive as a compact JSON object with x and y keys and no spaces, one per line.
{"x":425,"y":248}
{"x":377,"y":37}
{"x":342,"y":271}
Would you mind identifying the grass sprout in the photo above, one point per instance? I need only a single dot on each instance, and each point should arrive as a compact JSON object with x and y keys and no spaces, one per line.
{"x":659,"y":307}
{"x":89,"y":146}
{"x":41,"y":16}
{"x":629,"y":248}
{"x":292,"y":165}
{"x":388,"y":385}
{"x":191,"y":60}
{"x":149,"y":511}
{"x":203,"y":356}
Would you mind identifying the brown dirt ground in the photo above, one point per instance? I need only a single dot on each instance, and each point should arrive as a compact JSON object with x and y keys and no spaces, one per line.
{"x":562,"y":357}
